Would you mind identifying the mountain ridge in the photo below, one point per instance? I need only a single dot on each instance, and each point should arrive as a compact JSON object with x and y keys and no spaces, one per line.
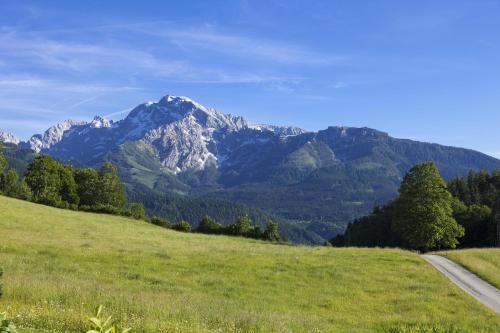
{"x":320,"y":180}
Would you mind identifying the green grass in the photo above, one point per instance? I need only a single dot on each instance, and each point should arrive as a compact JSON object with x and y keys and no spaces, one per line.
{"x":483,"y":262}
{"x":60,"y":264}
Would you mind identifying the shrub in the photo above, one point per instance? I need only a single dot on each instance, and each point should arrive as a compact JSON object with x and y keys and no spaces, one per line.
{"x":272,"y":233}
{"x":100,"y":208}
{"x":136,"y":210}
{"x":241,"y":228}
{"x":1,"y":290}
{"x":156,"y":220}
{"x":183,"y":226}
{"x":255,"y":233}
{"x":209,"y":226}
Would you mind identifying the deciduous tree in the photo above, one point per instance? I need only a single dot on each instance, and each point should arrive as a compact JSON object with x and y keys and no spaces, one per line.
{"x":423,"y":211}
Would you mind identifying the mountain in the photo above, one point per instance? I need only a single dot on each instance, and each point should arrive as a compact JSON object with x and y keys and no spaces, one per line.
{"x":319,"y":181}
{"x":9,"y":138}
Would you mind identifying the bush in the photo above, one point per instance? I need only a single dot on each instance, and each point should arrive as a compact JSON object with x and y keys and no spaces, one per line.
{"x":183,"y":226}
{"x":103,"y":209}
{"x":272,"y":233}
{"x":241,"y":228}
{"x":209,"y":226}
{"x":136,"y":210}
{"x":156,"y":220}
{"x":255,"y":233}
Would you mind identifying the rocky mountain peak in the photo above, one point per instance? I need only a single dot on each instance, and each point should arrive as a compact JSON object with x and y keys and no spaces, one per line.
{"x":53,"y":135}
{"x":279,"y":130}
{"x":9,"y":138}
{"x":100,"y":122}
{"x":181,"y":133}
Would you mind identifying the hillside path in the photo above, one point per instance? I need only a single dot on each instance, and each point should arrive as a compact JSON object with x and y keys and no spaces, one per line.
{"x":471,"y":283}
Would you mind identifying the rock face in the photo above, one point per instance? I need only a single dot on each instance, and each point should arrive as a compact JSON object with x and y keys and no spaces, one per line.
{"x":53,"y":135}
{"x":181,"y":133}
{"x":9,"y":138}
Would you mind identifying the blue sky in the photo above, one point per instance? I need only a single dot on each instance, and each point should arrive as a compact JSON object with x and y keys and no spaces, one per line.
{"x":425,"y":70}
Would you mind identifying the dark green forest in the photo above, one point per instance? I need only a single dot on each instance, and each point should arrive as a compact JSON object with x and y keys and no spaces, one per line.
{"x":50,"y":182}
{"x":475,"y":204}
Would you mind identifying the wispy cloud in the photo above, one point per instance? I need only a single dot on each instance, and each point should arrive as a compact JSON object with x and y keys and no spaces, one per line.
{"x":208,"y":38}
{"x":118,"y":113}
{"x":13,"y":83}
{"x":340,"y":85}
{"x":60,"y":73}
{"x":67,"y":55}
{"x":246,"y":47}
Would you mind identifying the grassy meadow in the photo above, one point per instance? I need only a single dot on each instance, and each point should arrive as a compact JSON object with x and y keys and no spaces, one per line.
{"x":483,"y":262}
{"x":60,"y":264}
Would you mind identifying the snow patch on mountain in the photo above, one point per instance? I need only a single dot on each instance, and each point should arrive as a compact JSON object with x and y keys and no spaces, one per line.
{"x":279,"y":130}
{"x":9,"y":138}
{"x":53,"y":135}
{"x":183,"y":134}
{"x":100,"y":122}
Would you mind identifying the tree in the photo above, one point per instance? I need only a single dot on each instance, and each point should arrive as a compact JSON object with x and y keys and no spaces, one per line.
{"x":68,"y":189}
{"x":423,"y":211}
{"x":137,"y":211}
{"x":44,"y":181}
{"x":52,"y":183}
{"x":3,"y":161}
{"x":111,"y":191}
{"x":477,"y":223}
{"x":12,"y":187}
{"x":9,"y":183}
{"x":87,"y":184}
{"x":241,"y":227}
{"x":272,"y":232}
{"x":255,"y":232}
{"x":209,"y":226}
{"x":24,"y":191}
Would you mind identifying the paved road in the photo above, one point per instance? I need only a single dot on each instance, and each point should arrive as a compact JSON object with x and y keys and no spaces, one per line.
{"x":472,"y":284}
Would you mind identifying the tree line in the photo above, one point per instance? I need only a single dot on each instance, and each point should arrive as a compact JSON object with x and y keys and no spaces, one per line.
{"x":242,"y":227}
{"x":431,"y":214}
{"x":55,"y":184}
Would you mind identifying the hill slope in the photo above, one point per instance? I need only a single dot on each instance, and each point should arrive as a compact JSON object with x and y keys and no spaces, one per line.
{"x":483,"y":262}
{"x":59,"y":264}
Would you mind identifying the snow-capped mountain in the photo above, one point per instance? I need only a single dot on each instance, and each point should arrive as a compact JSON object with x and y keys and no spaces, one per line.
{"x":9,"y":138}
{"x":323,"y":179}
{"x":181,"y":133}
{"x":53,"y":135}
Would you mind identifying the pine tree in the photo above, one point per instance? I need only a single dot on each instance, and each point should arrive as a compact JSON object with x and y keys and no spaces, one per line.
{"x":423,"y":210}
